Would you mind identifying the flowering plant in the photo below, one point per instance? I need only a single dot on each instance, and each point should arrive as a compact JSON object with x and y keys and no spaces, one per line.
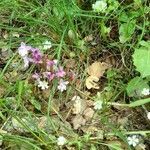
{"x":48,"y":69}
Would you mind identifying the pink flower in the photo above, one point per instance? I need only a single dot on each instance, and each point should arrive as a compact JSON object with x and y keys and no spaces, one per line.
{"x":50,"y":63}
{"x":62,"y":85}
{"x":49,"y":75}
{"x":60,"y":72}
{"x":36,"y":76}
{"x":36,"y":56}
{"x":23,"y":49}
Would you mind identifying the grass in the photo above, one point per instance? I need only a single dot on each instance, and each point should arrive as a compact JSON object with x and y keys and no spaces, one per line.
{"x":42,"y":116}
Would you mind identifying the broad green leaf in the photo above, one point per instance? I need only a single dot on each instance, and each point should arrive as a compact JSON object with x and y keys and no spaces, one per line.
{"x":123,"y":17}
{"x":126,"y":30}
{"x":139,"y":102}
{"x":141,"y":59}
{"x":145,"y":44}
{"x":35,"y":103}
{"x":135,"y":87}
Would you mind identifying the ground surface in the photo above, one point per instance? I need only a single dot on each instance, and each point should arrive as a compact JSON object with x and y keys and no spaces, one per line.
{"x":74,"y":77}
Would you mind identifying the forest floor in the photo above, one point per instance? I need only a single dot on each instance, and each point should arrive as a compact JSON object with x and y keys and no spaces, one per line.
{"x":74,"y":75}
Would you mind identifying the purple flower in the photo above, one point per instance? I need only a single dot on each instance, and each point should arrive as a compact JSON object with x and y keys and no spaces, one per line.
{"x":50,"y":63}
{"x":36,"y":56}
{"x":60,"y":72}
{"x":23,"y":49}
{"x":49,"y":75}
{"x":62,"y":85}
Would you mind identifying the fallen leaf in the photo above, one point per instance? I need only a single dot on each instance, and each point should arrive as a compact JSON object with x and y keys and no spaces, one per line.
{"x":79,"y":105}
{"x":70,"y":63}
{"x":42,"y":122}
{"x":78,"y":121}
{"x":90,"y":129}
{"x":97,"y":69}
{"x":141,"y":146}
{"x":90,"y":82}
{"x":88,"y":113}
{"x":15,"y":34}
{"x":88,"y":38}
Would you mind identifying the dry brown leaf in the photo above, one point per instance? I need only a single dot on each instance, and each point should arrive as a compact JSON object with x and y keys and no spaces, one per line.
{"x":90,"y":103}
{"x":90,"y":82}
{"x":42,"y":122}
{"x":97,"y":69}
{"x":90,"y":129}
{"x":70,"y":63}
{"x":88,"y":38}
{"x":79,"y":105}
{"x":78,"y":121}
{"x":141,"y":146}
{"x":88,"y":113}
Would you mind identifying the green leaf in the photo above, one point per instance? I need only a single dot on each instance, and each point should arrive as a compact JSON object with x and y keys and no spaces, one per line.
{"x":141,"y":59}
{"x":123,"y":17}
{"x":139,"y":102}
{"x":35,"y":103}
{"x":126,"y":30}
{"x":135,"y":87}
{"x":145,"y":44}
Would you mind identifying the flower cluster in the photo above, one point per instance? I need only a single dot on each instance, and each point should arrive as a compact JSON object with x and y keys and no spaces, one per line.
{"x":29,"y":54}
{"x":51,"y":70}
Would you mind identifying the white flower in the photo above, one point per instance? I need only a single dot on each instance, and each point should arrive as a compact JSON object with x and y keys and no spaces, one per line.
{"x":62,"y":85}
{"x":61,"y":140}
{"x":76,"y":98}
{"x":47,"y":45}
{"x":98,"y":105}
{"x":55,"y":61}
{"x":23,"y":49}
{"x":99,"y":6}
{"x":148,"y":115}
{"x":43,"y":84}
{"x":133,"y":140}
{"x":145,"y":91}
{"x":26,"y":61}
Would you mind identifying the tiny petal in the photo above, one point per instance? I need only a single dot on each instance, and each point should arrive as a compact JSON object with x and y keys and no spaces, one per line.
{"x":50,"y":76}
{"x":43,"y":84}
{"x":133,"y":140}
{"x":36,"y":56}
{"x":55,"y":61}
{"x":62,"y":85}
{"x":76,"y":98}
{"x":148,"y":115}
{"x":100,"y":6}
{"x":47,"y":45}
{"x":26,"y":62}
{"x":60,"y":72}
{"x":50,"y":63}
{"x":61,"y":141}
{"x":36,"y":76}
{"x":145,"y":91}
{"x":98,"y":105}
{"x":23,"y":49}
